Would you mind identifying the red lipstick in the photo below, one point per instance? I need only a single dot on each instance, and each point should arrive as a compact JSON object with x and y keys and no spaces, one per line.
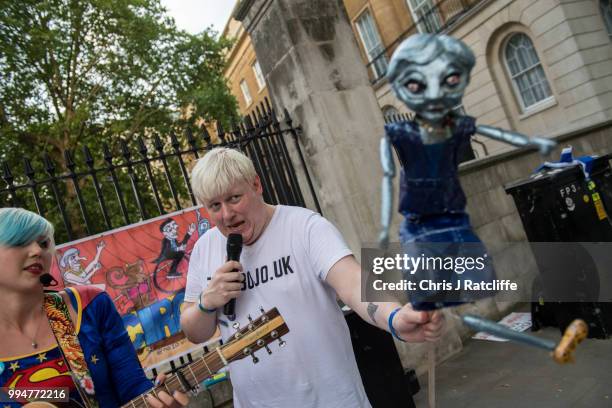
{"x":35,"y":268}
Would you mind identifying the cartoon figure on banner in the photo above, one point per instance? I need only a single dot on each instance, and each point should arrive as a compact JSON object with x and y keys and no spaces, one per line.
{"x":429,"y":73}
{"x":134,"y":286}
{"x":168,"y":278}
{"x":72,"y":269}
{"x":203,"y":224}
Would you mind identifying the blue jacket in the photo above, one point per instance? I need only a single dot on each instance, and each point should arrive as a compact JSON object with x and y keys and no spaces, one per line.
{"x":116,"y":371}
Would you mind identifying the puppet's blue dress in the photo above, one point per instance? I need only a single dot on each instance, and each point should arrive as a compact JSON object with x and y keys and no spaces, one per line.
{"x":433,"y":205}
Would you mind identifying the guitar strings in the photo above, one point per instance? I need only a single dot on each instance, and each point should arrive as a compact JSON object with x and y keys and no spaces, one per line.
{"x":174,"y":384}
{"x":200,"y":367}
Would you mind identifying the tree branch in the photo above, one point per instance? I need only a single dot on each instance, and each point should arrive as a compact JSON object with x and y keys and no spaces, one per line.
{"x":75,"y":50}
{"x":138,"y":118}
{"x":50,"y":78}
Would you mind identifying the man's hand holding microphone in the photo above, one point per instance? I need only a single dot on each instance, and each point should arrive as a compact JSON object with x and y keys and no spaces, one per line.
{"x":226,"y":283}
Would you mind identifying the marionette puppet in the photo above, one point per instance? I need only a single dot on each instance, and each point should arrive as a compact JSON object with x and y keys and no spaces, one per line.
{"x":429,"y":73}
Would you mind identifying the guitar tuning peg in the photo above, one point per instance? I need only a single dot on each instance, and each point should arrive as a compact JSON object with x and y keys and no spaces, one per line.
{"x":236,"y":325}
{"x":261,"y":309}
{"x":251,"y":326}
{"x":281,"y":342}
{"x":255,"y":359}
{"x":268,"y":349}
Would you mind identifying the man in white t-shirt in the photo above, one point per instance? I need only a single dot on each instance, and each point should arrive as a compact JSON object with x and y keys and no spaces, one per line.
{"x":297,"y":261}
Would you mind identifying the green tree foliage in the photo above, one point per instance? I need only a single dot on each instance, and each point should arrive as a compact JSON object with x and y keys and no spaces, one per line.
{"x":73,"y":71}
{"x":87,"y":72}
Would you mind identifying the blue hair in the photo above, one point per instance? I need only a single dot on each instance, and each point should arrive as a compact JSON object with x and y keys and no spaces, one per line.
{"x":20,"y":227}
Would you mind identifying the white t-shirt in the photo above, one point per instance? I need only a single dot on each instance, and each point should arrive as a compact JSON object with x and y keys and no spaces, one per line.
{"x":286,"y":268}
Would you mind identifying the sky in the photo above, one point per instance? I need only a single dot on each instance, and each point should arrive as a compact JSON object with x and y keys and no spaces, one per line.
{"x":195,"y":15}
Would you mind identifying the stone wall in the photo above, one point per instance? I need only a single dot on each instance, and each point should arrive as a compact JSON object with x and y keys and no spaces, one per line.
{"x":312,"y":64}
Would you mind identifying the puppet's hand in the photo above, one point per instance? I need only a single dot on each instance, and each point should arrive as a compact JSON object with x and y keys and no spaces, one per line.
{"x":543,"y":144}
{"x":414,"y":327}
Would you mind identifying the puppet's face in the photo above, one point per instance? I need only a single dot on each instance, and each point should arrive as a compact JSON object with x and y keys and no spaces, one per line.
{"x":432,"y":90}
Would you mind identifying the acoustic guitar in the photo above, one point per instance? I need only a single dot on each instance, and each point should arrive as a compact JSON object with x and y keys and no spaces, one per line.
{"x":266,"y":329}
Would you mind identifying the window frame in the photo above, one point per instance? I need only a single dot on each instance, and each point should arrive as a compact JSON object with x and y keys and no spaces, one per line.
{"x":525,"y":109}
{"x":435,"y":15}
{"x":246,"y":93}
{"x":376,"y":49}
{"x":259,"y":78}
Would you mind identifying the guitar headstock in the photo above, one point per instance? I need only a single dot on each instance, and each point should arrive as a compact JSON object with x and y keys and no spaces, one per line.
{"x":258,"y":334}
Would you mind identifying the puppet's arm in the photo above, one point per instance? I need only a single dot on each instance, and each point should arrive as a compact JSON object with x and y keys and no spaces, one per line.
{"x":386,"y":207}
{"x":518,"y":139}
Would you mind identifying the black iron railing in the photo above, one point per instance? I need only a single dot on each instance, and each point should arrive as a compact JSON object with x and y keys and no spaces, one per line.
{"x":143,"y":178}
{"x":398,"y":117}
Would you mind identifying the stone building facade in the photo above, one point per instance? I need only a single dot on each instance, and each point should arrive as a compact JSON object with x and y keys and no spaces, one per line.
{"x":569,"y":43}
{"x":242,"y":70}
{"x":543,"y":68}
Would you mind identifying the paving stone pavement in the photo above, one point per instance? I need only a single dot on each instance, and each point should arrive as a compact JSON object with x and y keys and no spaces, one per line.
{"x":509,"y":375}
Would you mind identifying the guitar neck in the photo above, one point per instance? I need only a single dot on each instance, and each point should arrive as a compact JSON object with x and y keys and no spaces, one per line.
{"x":186,"y":378}
{"x":269,"y":327}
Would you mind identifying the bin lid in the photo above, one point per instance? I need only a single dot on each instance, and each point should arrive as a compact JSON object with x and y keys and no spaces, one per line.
{"x":557,"y":175}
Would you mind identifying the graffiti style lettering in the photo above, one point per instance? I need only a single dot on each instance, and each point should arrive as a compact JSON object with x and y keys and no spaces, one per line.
{"x":156,"y":322}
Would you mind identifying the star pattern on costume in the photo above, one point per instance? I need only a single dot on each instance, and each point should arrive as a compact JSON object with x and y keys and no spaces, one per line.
{"x":14,"y":366}
{"x":94,"y":359}
{"x":41,"y":357}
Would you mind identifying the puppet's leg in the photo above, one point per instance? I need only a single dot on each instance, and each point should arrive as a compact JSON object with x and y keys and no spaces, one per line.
{"x":440,"y":247}
{"x":428,"y":241}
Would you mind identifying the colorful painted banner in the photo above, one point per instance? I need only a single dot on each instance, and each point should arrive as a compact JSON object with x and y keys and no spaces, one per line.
{"x":143,"y":267}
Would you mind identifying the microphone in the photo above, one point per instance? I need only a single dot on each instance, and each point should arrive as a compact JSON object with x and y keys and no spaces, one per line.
{"x":47,"y":280}
{"x":234,"y":248}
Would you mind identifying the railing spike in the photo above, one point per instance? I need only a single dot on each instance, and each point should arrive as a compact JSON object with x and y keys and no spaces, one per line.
{"x":69,"y":160}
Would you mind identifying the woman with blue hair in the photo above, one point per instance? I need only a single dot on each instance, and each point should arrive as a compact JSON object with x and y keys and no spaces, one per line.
{"x":73,"y":339}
